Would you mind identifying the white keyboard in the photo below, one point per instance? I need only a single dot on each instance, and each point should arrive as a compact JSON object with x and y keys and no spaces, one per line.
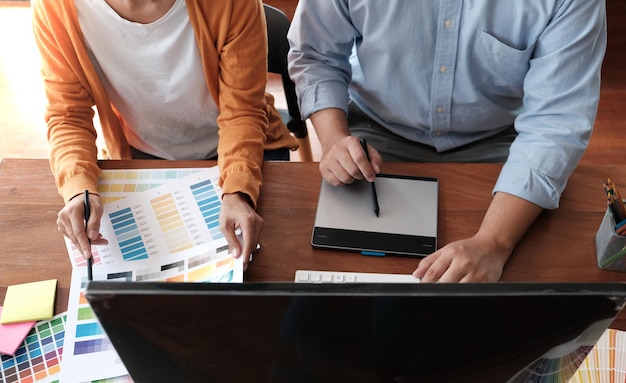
{"x":313,"y":276}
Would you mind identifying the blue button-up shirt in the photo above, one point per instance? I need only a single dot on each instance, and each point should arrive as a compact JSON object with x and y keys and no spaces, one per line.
{"x":449,"y":72}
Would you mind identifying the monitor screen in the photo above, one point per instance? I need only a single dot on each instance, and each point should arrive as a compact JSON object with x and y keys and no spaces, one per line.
{"x":287,"y":332}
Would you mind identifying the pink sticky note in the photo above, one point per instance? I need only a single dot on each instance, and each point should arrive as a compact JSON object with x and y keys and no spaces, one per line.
{"x":12,"y":335}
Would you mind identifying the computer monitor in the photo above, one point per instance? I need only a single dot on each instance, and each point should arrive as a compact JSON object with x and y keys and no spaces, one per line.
{"x":288,"y":332}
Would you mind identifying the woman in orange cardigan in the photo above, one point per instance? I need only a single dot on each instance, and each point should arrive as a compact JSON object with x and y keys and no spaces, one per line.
{"x":172,"y":79}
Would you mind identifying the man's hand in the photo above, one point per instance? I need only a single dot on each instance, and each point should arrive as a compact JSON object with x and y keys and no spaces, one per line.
{"x":345,"y":162}
{"x":468,"y":260}
{"x":343,"y":159}
{"x":481,"y":258}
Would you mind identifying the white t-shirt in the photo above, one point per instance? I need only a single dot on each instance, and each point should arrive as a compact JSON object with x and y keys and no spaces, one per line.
{"x":154,"y":77}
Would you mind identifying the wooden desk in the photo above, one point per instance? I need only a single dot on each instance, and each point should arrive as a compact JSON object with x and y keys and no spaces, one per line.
{"x":559,"y":246}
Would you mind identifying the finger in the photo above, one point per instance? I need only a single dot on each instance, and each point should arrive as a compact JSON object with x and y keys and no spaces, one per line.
{"x":375,"y":160}
{"x":425,"y":264}
{"x":328,"y":175}
{"x":345,"y":176}
{"x":355,"y":160}
{"x":340,"y":170}
{"x":247,"y":243}
{"x":100,"y":240}
{"x":66,"y":230}
{"x":234,"y":247}
{"x":228,"y":230}
{"x":435,"y":270}
{"x":246,"y":248}
{"x":452,"y":275}
{"x":81,"y":239}
{"x":365,"y":169}
{"x":93,"y":226}
{"x":250,"y":236}
{"x":338,"y":165}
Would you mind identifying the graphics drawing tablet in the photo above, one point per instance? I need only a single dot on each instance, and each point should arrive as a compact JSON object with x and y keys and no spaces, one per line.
{"x":406,"y":224}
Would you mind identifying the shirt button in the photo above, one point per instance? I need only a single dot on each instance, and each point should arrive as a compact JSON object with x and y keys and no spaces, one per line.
{"x":439,"y":109}
{"x":443,"y":69}
{"x":448,"y":23}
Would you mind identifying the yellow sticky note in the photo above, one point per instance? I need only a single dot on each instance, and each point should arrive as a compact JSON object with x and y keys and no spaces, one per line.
{"x":29,"y":302}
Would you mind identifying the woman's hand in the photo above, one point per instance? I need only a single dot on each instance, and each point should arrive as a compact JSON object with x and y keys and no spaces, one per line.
{"x":71,"y":222}
{"x":237,"y":214}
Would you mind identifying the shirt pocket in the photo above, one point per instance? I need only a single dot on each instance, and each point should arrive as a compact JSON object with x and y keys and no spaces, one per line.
{"x":499,"y":69}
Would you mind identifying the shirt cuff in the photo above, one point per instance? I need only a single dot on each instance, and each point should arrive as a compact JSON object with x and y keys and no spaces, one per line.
{"x":324,"y":95}
{"x":528,"y":184}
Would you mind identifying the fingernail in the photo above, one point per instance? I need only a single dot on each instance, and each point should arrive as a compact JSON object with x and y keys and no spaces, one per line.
{"x":86,"y":254}
{"x":235,"y":253}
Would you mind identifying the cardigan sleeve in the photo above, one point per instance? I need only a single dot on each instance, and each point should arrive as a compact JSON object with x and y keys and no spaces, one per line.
{"x":69,"y":113}
{"x":232,"y":42}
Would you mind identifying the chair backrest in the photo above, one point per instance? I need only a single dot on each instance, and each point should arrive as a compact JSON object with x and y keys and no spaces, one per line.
{"x":278,"y":48}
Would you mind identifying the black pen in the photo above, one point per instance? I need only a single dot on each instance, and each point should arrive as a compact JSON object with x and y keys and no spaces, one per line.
{"x":372,"y":186}
{"x":90,"y":259}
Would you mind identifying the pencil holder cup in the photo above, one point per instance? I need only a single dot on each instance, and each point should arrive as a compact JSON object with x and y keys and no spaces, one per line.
{"x":610,"y":246}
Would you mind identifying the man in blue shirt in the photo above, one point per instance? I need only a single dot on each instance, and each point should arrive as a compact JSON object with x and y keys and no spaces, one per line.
{"x":454,"y":81}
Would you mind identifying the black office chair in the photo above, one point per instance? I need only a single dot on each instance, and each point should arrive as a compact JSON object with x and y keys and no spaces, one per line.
{"x":278,"y":47}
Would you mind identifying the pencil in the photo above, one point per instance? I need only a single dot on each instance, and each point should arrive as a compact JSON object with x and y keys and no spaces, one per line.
{"x":613,"y":258}
{"x":620,"y":228}
{"x":619,"y":201}
{"x":610,"y":202}
{"x":616,"y":200}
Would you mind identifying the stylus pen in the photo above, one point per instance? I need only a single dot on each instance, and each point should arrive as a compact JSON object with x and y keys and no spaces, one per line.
{"x":90,"y":259}
{"x":372,"y":186}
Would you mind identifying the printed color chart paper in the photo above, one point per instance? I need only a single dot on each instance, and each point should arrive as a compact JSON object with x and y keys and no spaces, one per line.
{"x":88,"y":354}
{"x":115,"y":184}
{"x":579,"y":359}
{"x":161,"y":225}
{"x":606,"y":362}
{"x":38,"y":358}
{"x":167,"y":218}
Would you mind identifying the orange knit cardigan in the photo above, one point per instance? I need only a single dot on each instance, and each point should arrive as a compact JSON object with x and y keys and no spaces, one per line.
{"x":231,"y":37}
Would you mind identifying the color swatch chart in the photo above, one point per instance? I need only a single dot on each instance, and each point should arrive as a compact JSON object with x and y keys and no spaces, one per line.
{"x":596,"y":355}
{"x":606,"y":362}
{"x":77,"y":258}
{"x":554,"y":370}
{"x":209,"y":203}
{"x":117,"y":184}
{"x":168,"y":218}
{"x":86,"y":344}
{"x":38,"y":359}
